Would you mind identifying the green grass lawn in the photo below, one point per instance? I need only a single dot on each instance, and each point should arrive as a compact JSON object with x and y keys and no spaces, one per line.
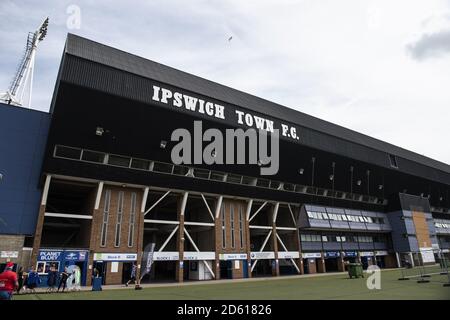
{"x":324,"y":287}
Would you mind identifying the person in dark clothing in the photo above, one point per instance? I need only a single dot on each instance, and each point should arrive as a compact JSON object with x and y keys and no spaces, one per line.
{"x":33,"y":280}
{"x":20,"y":280}
{"x":63,"y":279}
{"x":132,"y":275}
{"x":52,"y":279}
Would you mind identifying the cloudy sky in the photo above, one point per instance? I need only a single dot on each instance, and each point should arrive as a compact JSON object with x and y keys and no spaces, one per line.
{"x":376,"y":66}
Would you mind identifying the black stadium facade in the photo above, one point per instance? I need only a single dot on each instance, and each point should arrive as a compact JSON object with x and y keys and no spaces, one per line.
{"x":109,"y":186}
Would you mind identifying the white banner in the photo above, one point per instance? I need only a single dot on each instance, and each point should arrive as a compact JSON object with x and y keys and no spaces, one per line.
{"x":310,"y":255}
{"x":194,"y":255}
{"x":166,"y":256}
{"x":10,"y":254}
{"x":233,"y":256}
{"x":288,"y":254}
{"x":262,"y":255}
{"x":427,"y":255}
{"x":115,"y":256}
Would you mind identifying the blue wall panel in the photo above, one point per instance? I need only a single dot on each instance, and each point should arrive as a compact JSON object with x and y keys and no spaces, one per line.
{"x":23,"y":136}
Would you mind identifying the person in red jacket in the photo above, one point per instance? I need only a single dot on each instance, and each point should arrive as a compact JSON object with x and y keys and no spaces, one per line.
{"x":8,"y":282}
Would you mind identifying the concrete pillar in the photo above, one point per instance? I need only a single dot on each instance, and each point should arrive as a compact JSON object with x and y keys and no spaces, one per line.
{"x":40,"y":221}
{"x":397,"y":256}
{"x":218,"y":236}
{"x":181,"y":237}
{"x":321,"y":265}
{"x":139,"y":225}
{"x":341,"y":265}
{"x":276,"y":265}
{"x":248,"y":247}
{"x":299,"y":261}
{"x":411,"y":259}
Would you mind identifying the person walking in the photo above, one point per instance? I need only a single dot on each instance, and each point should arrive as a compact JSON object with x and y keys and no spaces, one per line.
{"x":20,"y":281}
{"x":132,"y":275}
{"x":33,"y":280}
{"x":63,"y":279}
{"x":52,"y":278}
{"x":8,"y":282}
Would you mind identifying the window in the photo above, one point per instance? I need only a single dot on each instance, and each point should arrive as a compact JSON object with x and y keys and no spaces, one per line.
{"x":162,"y":167}
{"x":140,"y":164}
{"x":201,"y":173}
{"x":119,"y":161}
{"x":393,"y":161}
{"x":233,"y":178}
{"x":241,"y":227}
{"x":105,"y":218}
{"x":93,"y":156}
{"x":233,"y":241}
{"x":263,"y":183}
{"x":132,"y":220}
{"x":218,"y":176}
{"x":67,"y":152}
{"x":119,"y":219}
{"x":180,"y":170}
{"x":44,"y":266}
{"x":224,"y":238}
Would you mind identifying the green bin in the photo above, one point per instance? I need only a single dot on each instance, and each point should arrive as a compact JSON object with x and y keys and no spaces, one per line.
{"x":355,"y":270}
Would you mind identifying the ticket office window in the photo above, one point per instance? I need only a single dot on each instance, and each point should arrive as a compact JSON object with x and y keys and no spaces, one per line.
{"x":43,"y":267}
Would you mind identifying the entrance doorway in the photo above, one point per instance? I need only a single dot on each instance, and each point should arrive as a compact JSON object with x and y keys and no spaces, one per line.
{"x":331,"y":264}
{"x":101,"y":267}
{"x":226,"y":269}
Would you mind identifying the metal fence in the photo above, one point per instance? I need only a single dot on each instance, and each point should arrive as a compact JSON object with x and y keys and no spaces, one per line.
{"x":423,"y":271}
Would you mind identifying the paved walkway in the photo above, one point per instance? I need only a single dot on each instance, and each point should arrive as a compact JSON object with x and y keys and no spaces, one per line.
{"x":207,"y":282}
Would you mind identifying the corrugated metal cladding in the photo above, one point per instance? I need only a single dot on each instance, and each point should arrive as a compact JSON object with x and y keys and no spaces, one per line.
{"x":115,"y":58}
{"x":120,"y":83}
{"x":23,"y":135}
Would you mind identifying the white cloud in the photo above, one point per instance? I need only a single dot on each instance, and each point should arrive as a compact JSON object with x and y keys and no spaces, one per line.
{"x":341,"y":61}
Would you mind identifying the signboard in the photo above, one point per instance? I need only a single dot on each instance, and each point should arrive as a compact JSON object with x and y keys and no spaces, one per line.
{"x":50,"y":255}
{"x":381,"y":253}
{"x":262,"y":255}
{"x":115,"y":256}
{"x":10,"y":254}
{"x":166,"y":256}
{"x":193,"y":255}
{"x":233,"y":256}
{"x":332,"y":254}
{"x":366,"y":253}
{"x":427,"y":255}
{"x":445,"y":250}
{"x":288,"y":254}
{"x":206,"y":108}
{"x":311,"y":255}
{"x":75,"y":255}
{"x":350,"y":254}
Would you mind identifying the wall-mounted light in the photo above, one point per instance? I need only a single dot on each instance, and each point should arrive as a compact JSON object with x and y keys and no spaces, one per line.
{"x":301,"y":170}
{"x":331,"y":177}
{"x":380,"y":186}
{"x":1,"y":178}
{"x":440,"y":199}
{"x":358,"y":182}
{"x":99,"y":131}
{"x":163,"y":144}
